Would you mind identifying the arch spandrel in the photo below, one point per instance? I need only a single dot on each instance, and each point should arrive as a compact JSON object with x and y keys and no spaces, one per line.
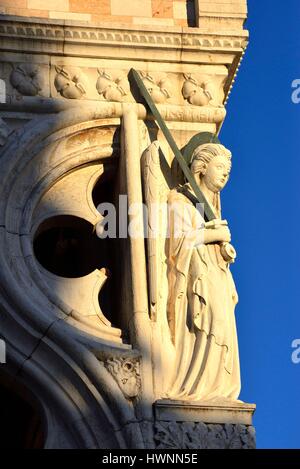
{"x":56,"y":334}
{"x":58,"y":178}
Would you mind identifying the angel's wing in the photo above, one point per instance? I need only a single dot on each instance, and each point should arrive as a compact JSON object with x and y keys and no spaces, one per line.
{"x":156,"y":192}
{"x":157,"y":186}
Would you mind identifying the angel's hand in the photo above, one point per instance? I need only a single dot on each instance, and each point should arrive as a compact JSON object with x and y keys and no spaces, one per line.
{"x":220,"y":234}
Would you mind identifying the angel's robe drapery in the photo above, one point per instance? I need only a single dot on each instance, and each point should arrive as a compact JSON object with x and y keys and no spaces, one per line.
{"x":202,"y":299}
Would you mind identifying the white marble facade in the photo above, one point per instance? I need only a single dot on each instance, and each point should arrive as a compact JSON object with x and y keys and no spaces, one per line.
{"x":73,"y":134}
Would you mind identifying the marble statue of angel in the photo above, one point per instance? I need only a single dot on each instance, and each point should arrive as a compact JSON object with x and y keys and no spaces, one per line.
{"x":192,"y":288}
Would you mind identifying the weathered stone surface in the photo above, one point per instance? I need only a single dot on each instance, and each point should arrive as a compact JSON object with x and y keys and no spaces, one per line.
{"x":216,"y":411}
{"x":68,"y":118}
{"x":199,"y":435}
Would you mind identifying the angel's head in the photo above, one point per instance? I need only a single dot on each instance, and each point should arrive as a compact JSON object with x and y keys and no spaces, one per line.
{"x":211,"y":165}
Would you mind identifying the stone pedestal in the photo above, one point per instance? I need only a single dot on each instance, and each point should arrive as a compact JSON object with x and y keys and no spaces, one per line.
{"x":204,"y":425}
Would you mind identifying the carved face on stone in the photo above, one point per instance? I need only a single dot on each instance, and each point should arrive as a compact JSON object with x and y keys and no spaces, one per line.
{"x":129,"y":386}
{"x":126,"y":373}
{"x":211,"y":164}
{"x":215,"y":175}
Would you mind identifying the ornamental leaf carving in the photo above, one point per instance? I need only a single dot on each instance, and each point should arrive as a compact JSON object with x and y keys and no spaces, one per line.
{"x":199,"y":92}
{"x":159,"y":86}
{"x":27,"y":79}
{"x":71,"y":83}
{"x":112,"y":88}
{"x":199,"y":435}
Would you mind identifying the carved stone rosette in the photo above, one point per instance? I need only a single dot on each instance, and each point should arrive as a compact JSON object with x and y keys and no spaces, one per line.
{"x":27,"y":79}
{"x":70,"y":83}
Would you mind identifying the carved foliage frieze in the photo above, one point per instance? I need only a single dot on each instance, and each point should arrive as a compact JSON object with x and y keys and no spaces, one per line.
{"x":73,"y":81}
{"x":179,"y":93}
{"x":199,"y":435}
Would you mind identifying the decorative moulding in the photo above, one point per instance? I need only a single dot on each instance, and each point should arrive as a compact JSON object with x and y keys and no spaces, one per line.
{"x":149,"y":36}
{"x":199,"y":435}
{"x":68,"y":45}
{"x":194,"y":114}
{"x":223,"y":411}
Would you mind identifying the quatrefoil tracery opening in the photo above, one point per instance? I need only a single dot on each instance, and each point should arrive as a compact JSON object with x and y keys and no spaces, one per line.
{"x":68,"y":247}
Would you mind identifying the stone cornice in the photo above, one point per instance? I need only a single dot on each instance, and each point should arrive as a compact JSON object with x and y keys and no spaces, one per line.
{"x":177,"y":50}
{"x":61,"y":33}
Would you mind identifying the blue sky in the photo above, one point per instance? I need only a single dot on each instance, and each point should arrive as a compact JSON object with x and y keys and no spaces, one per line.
{"x":262,"y":205}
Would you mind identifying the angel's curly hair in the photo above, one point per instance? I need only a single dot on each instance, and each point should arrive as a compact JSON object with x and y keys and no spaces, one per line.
{"x":203,"y":154}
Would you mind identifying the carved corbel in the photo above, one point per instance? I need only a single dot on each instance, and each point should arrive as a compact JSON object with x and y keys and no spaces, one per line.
{"x":126,"y":372}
